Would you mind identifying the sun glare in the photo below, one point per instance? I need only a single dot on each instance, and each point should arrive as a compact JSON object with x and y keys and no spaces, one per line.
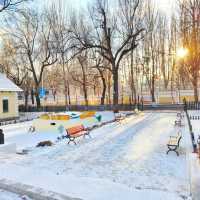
{"x":182,"y":52}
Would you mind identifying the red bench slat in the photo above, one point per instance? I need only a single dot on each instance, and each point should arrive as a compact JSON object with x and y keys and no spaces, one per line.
{"x":75,"y":129}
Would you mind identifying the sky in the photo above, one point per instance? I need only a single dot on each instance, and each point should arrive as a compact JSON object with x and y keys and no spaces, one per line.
{"x":164,"y":5}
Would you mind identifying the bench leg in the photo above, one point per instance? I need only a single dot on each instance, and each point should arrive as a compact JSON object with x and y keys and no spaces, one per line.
{"x":174,"y":149}
{"x":87,"y":134}
{"x":72,"y":140}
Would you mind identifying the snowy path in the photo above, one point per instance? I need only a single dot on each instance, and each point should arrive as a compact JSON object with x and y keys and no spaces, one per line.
{"x":131,"y":156}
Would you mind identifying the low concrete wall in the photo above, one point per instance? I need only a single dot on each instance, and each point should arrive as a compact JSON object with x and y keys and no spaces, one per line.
{"x":32,"y":192}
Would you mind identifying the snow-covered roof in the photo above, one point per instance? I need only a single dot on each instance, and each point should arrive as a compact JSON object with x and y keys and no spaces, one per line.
{"x":6,"y":85}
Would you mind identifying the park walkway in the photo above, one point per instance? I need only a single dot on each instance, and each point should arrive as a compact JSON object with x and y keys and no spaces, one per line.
{"x":130,"y":155}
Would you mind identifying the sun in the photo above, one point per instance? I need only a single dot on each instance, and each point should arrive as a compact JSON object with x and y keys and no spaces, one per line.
{"x":182,"y":52}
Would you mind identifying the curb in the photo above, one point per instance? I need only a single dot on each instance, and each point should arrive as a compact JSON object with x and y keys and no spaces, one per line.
{"x":32,"y":192}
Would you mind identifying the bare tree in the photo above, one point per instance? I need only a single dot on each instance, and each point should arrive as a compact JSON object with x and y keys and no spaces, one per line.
{"x":99,"y":65}
{"x":6,"y":5}
{"x":82,"y":76}
{"x":113,"y":34}
{"x":190,"y":33}
{"x":36,"y":43}
{"x":60,"y":27}
{"x":150,"y":48}
{"x":12,"y":63}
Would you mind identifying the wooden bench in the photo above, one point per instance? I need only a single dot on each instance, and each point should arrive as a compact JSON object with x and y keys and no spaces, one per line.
{"x":180,"y":115}
{"x":75,"y":132}
{"x":178,"y":123}
{"x":173,"y":143}
{"x":120,"y":117}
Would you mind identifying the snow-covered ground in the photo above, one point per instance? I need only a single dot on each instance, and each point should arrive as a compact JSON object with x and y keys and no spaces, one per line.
{"x":19,"y":134}
{"x":194,"y":161}
{"x":4,"y":195}
{"x":121,"y":161}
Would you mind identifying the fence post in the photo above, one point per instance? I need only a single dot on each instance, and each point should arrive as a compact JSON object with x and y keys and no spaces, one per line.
{"x":185,"y":104}
{"x":1,"y":137}
{"x":198,"y":142}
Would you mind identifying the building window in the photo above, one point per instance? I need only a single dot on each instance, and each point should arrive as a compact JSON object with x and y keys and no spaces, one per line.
{"x":5,"y":105}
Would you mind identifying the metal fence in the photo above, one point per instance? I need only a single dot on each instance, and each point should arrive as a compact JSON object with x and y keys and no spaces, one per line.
{"x":191,"y":105}
{"x":124,"y":107}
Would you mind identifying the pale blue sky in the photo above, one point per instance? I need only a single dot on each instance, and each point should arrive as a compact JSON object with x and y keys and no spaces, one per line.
{"x":165,"y":5}
{"x":70,"y":3}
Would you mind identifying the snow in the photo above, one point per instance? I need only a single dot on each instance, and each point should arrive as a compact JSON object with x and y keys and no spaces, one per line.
{"x":124,"y":160}
{"x":194,"y":163}
{"x":19,"y":134}
{"x":4,"y":195}
{"x":7,"y":85}
{"x":43,"y":125}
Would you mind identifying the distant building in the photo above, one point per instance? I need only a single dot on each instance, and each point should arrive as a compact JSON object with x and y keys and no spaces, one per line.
{"x":8,"y":98}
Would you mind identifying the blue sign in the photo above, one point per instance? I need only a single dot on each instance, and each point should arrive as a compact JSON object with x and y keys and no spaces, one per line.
{"x":42,"y":92}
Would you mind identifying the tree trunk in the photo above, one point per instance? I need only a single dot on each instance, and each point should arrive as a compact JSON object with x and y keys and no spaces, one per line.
{"x":26,"y":100}
{"x":66,"y":96}
{"x":54,"y":95}
{"x":153,"y":95}
{"x":68,"y":93}
{"x":37,"y":97}
{"x":196,"y":98}
{"x":109,"y":90}
{"x":103,"y":95}
{"x":133,"y":89}
{"x":32,"y":97}
{"x":153,"y":86}
{"x":115,"y":88}
{"x":195,"y":88}
{"x":85,"y":94}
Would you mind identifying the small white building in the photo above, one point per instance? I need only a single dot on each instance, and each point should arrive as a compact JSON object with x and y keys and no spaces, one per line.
{"x":8,"y":98}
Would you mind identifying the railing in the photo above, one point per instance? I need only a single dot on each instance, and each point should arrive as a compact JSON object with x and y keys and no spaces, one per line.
{"x":124,"y":107}
{"x":188,"y":106}
{"x":191,"y":105}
